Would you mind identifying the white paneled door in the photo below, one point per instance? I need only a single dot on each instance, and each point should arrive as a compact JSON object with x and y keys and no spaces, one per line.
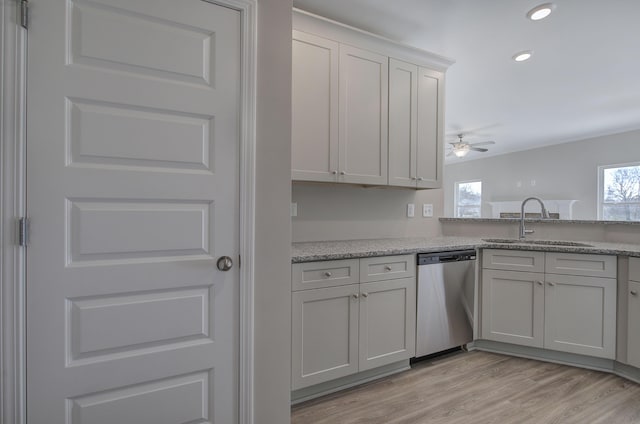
{"x":133,"y":192}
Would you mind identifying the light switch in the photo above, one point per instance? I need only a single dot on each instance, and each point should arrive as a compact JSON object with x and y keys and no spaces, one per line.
{"x":427,"y":210}
{"x":411,"y":210}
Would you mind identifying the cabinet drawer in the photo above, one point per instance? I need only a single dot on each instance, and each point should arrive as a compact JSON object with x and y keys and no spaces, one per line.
{"x":634,"y":269}
{"x":315,"y":275}
{"x":581,"y":264}
{"x":513,"y":260}
{"x":387,"y":268}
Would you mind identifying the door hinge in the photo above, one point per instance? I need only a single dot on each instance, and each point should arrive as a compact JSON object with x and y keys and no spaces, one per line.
{"x":24,"y":13}
{"x":23,"y":232}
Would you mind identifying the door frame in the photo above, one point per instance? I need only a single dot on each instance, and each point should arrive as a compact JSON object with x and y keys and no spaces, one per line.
{"x":13,"y":49}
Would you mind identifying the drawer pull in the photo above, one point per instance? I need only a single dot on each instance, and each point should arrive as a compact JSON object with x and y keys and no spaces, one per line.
{"x":540,"y":283}
{"x":387,"y":268}
{"x":634,"y":292}
{"x":551,"y":284}
{"x":365,"y":294}
{"x":327,"y":274}
{"x":355,"y":295}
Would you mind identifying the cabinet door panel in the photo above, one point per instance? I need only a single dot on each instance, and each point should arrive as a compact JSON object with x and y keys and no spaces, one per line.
{"x":403,"y":123}
{"x":633,"y":324}
{"x":363,"y":116}
{"x":317,"y":275}
{"x":429,"y":155}
{"x":387,"y":268}
{"x":513,"y":260}
{"x":314,"y":150}
{"x":512,"y":307}
{"x":387,"y":322}
{"x":634,"y":269}
{"x":581,"y":264}
{"x":324,"y":335}
{"x":580,"y":315}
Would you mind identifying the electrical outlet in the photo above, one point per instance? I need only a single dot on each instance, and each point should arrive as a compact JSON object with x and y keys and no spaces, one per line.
{"x":427,"y":210}
{"x":411,"y":210}
{"x":294,"y":209}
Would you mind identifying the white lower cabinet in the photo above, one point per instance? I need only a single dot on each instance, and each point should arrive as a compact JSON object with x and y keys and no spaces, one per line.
{"x":387,"y":324}
{"x":633,"y":313}
{"x":342,"y":330}
{"x":551,"y":310}
{"x":325,"y":334}
{"x":513,"y":307}
{"x":580,"y":315}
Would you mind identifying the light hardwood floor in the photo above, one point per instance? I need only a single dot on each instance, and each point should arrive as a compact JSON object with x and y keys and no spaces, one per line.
{"x":480,"y":387}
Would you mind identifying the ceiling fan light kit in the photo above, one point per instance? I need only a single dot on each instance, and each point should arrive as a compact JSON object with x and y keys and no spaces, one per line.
{"x":461,"y":148}
{"x":461,"y":151}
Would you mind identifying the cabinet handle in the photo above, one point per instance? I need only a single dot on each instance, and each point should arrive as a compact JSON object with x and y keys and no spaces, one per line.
{"x":413,"y":178}
{"x":343,"y":173}
{"x":551,"y":284}
{"x":327,"y":274}
{"x":355,"y":295}
{"x":387,"y":268}
{"x":334,"y":172}
{"x":365,"y":294}
{"x":540,"y":283}
{"x":634,"y":292}
{"x":420,"y":179}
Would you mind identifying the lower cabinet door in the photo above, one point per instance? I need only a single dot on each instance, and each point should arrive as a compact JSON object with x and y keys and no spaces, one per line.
{"x":580,"y":315}
{"x":633,"y":323}
{"x":324,"y":334}
{"x":513,"y":307}
{"x":387,"y":322}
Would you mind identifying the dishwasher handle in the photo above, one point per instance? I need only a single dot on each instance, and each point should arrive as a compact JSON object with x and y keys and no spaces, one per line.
{"x":444,"y":257}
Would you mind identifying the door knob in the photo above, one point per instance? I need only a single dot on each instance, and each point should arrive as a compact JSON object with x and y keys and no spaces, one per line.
{"x":224,"y":263}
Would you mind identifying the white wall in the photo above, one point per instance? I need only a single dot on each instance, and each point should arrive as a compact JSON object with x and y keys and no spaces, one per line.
{"x":273,"y":225}
{"x":564,"y":171}
{"x":347,"y":212}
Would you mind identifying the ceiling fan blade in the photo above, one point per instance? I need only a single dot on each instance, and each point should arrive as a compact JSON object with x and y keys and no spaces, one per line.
{"x":479,"y":149}
{"x":483,"y":143}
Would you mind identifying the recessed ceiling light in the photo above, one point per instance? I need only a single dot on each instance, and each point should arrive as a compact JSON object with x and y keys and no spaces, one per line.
{"x":541,"y":11}
{"x":522,"y":56}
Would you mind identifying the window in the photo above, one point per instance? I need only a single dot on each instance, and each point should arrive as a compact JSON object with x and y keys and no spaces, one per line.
{"x":468,"y":199}
{"x":619,"y":192}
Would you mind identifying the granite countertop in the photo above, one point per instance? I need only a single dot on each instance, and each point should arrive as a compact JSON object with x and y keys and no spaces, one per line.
{"x":537,"y":221}
{"x":347,"y":249}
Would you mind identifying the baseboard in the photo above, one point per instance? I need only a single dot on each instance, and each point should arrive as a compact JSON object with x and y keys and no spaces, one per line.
{"x":599,"y":364}
{"x":323,"y":389}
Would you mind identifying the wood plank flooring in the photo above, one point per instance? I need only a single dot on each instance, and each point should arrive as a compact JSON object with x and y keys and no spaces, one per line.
{"x":480,"y":387}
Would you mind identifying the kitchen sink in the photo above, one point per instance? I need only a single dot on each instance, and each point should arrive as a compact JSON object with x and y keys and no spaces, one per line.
{"x":541,"y":242}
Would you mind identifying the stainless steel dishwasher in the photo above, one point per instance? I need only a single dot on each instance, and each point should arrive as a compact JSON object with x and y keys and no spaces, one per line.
{"x":445,"y":300}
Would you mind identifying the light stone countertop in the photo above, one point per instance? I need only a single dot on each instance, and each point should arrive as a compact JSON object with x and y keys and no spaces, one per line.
{"x":537,"y":221}
{"x":348,"y":249}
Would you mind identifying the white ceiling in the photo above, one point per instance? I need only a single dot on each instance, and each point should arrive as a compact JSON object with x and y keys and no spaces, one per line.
{"x":582,"y":81}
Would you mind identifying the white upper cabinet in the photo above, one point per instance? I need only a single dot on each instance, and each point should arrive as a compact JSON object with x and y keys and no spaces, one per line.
{"x":415,"y":125}
{"x":314,"y":151}
{"x":360,"y":117}
{"x":363,"y":116}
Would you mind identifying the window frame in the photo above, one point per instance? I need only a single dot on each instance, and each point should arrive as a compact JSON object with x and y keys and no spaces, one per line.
{"x":601,"y":202}
{"x":456,"y":190}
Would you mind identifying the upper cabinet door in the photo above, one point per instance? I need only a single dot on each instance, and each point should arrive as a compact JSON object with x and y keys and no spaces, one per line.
{"x":364,"y":86}
{"x":430,"y":128}
{"x":314,"y":153}
{"x":403,"y":123}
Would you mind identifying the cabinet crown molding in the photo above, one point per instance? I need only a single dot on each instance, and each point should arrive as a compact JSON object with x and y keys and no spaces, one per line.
{"x":318,"y":25}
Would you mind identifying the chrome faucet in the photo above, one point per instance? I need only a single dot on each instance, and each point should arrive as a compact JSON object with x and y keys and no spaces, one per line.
{"x":545,"y":214}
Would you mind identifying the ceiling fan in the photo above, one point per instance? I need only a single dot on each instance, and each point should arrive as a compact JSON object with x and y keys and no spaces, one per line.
{"x":460,"y":148}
